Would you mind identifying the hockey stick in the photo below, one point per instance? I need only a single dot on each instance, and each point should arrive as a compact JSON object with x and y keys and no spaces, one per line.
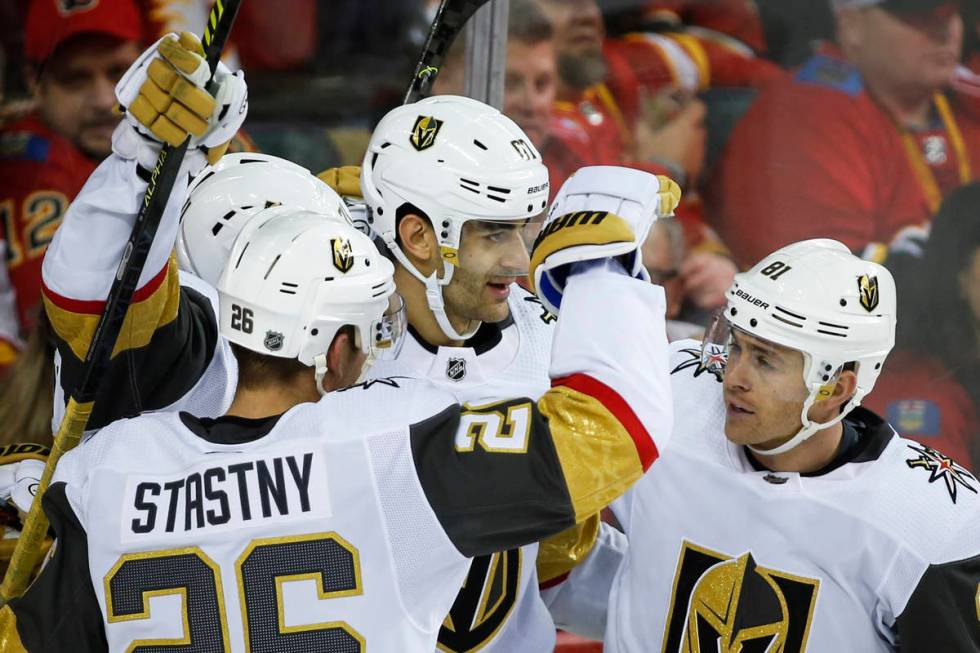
{"x":28,"y":551}
{"x":450,"y":19}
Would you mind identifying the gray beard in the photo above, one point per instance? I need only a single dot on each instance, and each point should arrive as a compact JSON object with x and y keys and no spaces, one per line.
{"x":582,"y":71}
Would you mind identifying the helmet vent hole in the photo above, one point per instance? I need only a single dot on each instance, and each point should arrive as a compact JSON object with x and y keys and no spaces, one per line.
{"x":314,"y":332}
{"x":480,"y":145}
{"x":796,"y":320}
{"x":753,"y":322}
{"x":734,"y":311}
{"x":877,"y":366}
{"x":843,"y":302}
{"x":274,"y":261}
{"x":496,"y":189}
{"x":530,"y":208}
{"x":383,"y":146}
{"x":288,"y":288}
{"x":216,"y":228}
{"x":470,"y":185}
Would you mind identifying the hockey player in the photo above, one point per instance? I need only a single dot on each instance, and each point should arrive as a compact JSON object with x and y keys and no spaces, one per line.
{"x":784,"y":517}
{"x":345,"y":523}
{"x":449,"y":183}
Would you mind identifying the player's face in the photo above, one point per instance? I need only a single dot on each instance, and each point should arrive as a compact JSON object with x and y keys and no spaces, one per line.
{"x":911,"y":50}
{"x":764,"y":391}
{"x":76,"y":90}
{"x":492,"y":255}
{"x":530,"y":84}
{"x":577,"y":24}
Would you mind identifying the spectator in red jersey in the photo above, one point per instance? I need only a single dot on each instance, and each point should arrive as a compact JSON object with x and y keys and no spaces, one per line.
{"x":930,"y":386}
{"x":76,"y":51}
{"x":597,"y":125}
{"x":861,"y":145}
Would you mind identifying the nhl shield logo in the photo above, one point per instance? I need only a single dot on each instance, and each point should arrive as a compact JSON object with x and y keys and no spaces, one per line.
{"x":273,"y":340}
{"x":424,"y":132}
{"x":343,"y":255}
{"x":456,"y":369}
{"x":868,"y":289}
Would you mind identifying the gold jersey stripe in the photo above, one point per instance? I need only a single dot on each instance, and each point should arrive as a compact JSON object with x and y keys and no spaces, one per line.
{"x":559,"y":554}
{"x":143,"y":318}
{"x":597,"y":454}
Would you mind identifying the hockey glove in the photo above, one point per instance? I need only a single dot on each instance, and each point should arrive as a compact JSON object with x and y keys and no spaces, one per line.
{"x":165,"y":99}
{"x":600,"y":212}
{"x":346,"y":181}
{"x":21,"y":466}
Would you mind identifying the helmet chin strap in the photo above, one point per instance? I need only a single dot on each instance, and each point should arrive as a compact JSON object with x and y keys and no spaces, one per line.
{"x":808,"y":430}
{"x":433,"y":292}
{"x":320,"y":363}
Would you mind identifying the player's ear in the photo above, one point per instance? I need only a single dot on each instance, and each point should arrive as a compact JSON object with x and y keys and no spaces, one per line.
{"x":418,"y":241}
{"x":830,"y":404}
{"x":341,"y":357}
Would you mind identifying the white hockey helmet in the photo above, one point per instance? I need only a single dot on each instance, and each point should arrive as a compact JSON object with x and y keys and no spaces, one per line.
{"x":294,"y":279}
{"x":454,"y":159}
{"x":222,"y":198}
{"x":817,"y":297}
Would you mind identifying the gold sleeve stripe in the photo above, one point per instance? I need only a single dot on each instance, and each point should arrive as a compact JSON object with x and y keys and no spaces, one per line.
{"x":559,"y":554}
{"x":8,"y":353}
{"x":9,"y":637}
{"x":154,"y":306}
{"x":599,"y":455}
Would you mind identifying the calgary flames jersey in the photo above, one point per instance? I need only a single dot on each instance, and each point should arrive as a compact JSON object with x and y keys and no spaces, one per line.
{"x":346,"y":524}
{"x":878,"y":553}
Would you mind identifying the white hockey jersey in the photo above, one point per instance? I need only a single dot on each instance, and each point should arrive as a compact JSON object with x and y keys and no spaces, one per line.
{"x":499,"y":609}
{"x":880,"y":553}
{"x":341,"y":525}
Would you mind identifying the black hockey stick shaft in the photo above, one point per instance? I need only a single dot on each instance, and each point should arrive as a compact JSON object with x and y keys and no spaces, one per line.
{"x":28,"y":552}
{"x":450,"y":19}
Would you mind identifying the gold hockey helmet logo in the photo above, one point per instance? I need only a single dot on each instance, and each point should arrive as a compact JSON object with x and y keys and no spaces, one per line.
{"x":725,"y":604}
{"x":343,"y":254}
{"x":424,"y":132}
{"x":868,"y":289}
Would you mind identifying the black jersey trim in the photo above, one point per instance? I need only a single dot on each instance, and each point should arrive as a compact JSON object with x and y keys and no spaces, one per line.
{"x":60,"y":610}
{"x":488,"y":502}
{"x":486,"y":337}
{"x":157,"y":375}
{"x":941,"y":614}
{"x":229,"y":429}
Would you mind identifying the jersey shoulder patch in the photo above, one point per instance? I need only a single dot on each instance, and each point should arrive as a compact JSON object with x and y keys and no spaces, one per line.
{"x":832,"y":73}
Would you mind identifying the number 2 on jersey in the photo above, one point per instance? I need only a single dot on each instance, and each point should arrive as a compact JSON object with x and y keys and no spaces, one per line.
{"x":262,"y":569}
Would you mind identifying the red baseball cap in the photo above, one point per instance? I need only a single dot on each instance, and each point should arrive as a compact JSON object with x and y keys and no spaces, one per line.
{"x":51,"y":22}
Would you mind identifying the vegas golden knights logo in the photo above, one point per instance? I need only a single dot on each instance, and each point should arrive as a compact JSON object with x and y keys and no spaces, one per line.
{"x":424,"y":132}
{"x":868,"y":287}
{"x":723,"y":604}
{"x":343,"y":255}
{"x":484,"y":603}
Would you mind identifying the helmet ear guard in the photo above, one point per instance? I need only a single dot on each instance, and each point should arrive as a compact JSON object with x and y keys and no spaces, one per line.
{"x":835,"y":308}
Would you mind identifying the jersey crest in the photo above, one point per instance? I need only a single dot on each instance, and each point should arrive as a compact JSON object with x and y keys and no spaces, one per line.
{"x":723,"y":603}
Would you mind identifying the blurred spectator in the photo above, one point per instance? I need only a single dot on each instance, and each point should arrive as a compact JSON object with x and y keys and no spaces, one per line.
{"x":861,"y":145}
{"x":691,"y":44}
{"x":76,"y":53}
{"x":930,"y":386}
{"x":662,"y":133}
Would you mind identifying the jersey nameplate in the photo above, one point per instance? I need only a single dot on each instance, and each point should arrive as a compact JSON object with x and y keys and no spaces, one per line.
{"x":225,"y":493}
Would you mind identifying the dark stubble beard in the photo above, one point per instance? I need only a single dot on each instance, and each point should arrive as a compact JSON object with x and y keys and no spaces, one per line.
{"x":580,"y":71}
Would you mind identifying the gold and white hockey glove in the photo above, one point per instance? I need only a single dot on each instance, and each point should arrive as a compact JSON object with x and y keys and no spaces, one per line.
{"x":600,"y":212}
{"x":166,"y":101}
{"x":21,"y":466}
